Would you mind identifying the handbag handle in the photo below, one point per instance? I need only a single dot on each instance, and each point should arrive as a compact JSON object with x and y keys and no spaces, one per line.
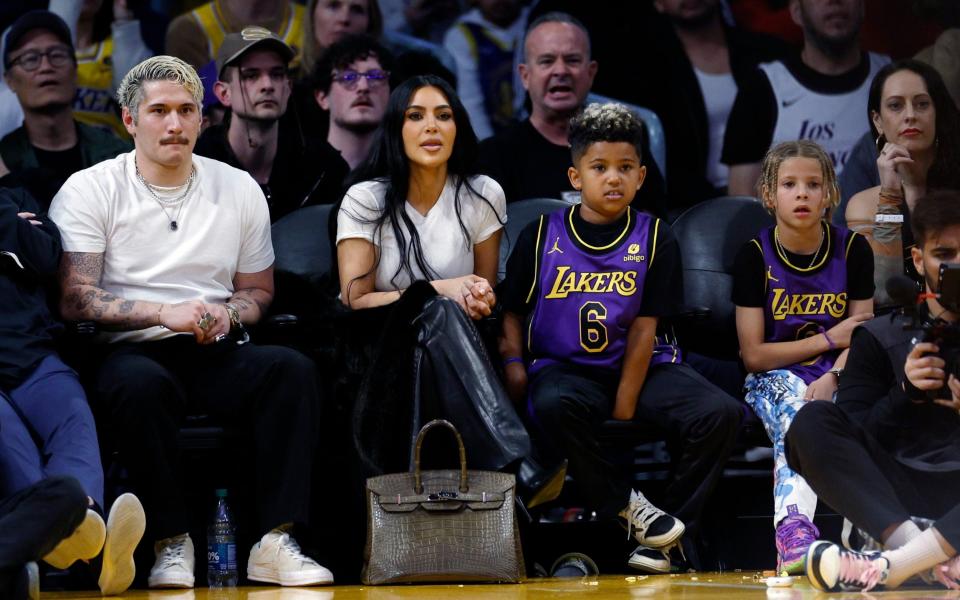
{"x":417,"y":482}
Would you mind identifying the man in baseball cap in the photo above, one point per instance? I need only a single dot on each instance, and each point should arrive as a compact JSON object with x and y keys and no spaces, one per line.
{"x":40,"y":67}
{"x":253,"y":83}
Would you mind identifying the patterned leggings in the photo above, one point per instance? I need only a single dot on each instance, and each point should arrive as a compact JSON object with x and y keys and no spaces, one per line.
{"x":775,"y":397}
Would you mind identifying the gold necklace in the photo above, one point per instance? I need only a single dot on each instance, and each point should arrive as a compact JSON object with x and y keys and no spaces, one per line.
{"x":782,"y":251}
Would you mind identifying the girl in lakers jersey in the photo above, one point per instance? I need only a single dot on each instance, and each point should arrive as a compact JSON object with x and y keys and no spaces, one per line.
{"x":800,"y":288}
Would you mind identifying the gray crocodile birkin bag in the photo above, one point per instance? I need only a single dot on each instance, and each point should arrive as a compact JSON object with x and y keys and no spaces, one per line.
{"x":441,"y":526}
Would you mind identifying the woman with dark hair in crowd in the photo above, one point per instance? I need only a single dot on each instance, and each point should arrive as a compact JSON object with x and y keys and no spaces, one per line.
{"x":329,"y":21}
{"x":918,"y":128}
{"x":421,"y":232}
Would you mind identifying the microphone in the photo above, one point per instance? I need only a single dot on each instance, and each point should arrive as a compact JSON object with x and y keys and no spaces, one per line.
{"x":903,"y":291}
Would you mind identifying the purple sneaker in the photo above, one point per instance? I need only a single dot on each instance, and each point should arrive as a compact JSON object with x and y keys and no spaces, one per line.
{"x":795,"y":534}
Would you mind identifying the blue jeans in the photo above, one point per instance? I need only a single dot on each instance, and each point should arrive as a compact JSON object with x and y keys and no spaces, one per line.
{"x":48,"y":429}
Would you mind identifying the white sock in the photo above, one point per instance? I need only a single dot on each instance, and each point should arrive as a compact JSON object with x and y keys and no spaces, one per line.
{"x":919,"y":554}
{"x":902,"y":534}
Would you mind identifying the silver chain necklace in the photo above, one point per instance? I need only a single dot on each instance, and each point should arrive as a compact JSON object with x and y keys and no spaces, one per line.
{"x":161,"y":202}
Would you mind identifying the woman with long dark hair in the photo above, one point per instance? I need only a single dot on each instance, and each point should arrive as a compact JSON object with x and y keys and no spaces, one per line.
{"x":421,"y":224}
{"x":918,"y":137}
{"x":419,"y":211}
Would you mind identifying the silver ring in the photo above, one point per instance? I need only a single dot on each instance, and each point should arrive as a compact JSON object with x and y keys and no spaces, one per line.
{"x":220,"y":337}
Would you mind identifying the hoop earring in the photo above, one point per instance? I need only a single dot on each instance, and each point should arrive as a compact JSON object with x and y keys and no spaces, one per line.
{"x":880,"y":143}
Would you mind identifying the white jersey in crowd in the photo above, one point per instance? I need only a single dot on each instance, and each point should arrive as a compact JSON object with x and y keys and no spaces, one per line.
{"x":835,"y":121}
{"x":446,"y":251}
{"x":223,"y":228}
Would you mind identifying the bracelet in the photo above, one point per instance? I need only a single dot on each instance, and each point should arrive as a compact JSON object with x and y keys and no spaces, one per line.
{"x":159,"y":321}
{"x":829,"y":341}
{"x":512,"y":359}
{"x":891,"y":194}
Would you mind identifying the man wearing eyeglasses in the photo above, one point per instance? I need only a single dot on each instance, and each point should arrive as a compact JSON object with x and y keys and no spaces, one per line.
{"x":40,"y":67}
{"x":352,"y":83}
{"x":254,"y":85}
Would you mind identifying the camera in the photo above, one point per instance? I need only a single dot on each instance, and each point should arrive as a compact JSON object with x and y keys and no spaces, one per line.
{"x":931,"y":328}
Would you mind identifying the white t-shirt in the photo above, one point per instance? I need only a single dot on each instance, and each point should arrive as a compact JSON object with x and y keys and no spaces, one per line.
{"x":445,"y":250}
{"x":719,"y":91}
{"x":223,"y":229}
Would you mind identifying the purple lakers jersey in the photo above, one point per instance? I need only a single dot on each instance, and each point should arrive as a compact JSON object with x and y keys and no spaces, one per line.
{"x":804,"y":301}
{"x":587,"y":300}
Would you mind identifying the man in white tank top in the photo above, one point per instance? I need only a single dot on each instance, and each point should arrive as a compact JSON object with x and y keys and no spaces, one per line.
{"x":820,"y":95}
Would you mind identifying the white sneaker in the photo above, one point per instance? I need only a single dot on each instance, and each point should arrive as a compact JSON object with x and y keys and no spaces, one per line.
{"x":175,"y":563}
{"x":125,"y":524}
{"x":649,"y":560}
{"x":277,"y":558}
{"x":33,"y":580}
{"x":84,"y":543}
{"x":651,"y":527}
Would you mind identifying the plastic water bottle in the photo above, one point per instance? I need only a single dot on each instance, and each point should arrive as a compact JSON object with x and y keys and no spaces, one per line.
{"x":221,"y":546}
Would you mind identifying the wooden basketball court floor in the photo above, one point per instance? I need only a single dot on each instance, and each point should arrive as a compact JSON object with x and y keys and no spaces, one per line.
{"x":699,"y":586}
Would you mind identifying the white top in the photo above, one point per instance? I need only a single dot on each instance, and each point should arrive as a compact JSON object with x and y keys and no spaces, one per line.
{"x":719,"y":91}
{"x":835,"y":121}
{"x":445,"y":250}
{"x":464,"y":54}
{"x":223,"y":229}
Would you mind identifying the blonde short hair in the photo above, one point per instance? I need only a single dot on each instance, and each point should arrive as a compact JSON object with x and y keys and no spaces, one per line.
{"x":157,"y":68}
{"x":767,"y":186}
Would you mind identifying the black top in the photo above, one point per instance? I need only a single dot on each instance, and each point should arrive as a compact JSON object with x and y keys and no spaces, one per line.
{"x":62,"y":163}
{"x":921,"y":434}
{"x":662,"y":287}
{"x":528,"y":165}
{"x":753,"y":118}
{"x":29,"y":256}
{"x":305,"y":171}
{"x":749,"y":271}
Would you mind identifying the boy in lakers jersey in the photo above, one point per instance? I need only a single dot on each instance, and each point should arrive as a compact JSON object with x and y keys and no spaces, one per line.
{"x":584,"y":289}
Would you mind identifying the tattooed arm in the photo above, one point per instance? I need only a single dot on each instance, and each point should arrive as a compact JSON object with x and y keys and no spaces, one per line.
{"x":82,"y":299}
{"x":254,"y":292}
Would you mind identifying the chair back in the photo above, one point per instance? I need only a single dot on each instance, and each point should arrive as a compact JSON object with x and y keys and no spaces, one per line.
{"x":710,"y":234}
{"x":519,"y":215}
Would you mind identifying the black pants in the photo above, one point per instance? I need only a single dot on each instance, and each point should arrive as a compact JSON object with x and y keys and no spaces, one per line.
{"x":853,"y":473}
{"x":32,"y":523}
{"x":270,"y":392}
{"x":570,"y":403}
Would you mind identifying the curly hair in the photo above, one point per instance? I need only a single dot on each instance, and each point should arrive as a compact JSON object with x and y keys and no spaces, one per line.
{"x":767,"y":185}
{"x":157,"y":68}
{"x":604,"y":123}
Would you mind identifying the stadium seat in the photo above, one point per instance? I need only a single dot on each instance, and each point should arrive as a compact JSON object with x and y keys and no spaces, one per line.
{"x":710,"y":234}
{"x":655,"y":134}
{"x":519,"y":215}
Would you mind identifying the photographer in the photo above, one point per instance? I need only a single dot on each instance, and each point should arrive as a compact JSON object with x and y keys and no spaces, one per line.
{"x":886,"y":450}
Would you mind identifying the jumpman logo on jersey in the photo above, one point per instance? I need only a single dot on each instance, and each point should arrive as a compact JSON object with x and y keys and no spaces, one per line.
{"x":556,"y":247}
{"x":770,"y":276}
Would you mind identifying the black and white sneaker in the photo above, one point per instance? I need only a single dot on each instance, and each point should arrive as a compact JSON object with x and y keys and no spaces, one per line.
{"x":650,"y":526}
{"x":832,"y":568}
{"x":649,"y":560}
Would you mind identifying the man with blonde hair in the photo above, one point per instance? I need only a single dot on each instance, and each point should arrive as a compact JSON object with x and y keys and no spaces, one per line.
{"x":170,"y":254}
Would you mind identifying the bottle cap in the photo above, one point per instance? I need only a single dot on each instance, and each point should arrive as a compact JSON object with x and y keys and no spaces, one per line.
{"x":221,"y":493}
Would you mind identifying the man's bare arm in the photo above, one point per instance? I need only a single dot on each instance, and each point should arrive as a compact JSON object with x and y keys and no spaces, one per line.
{"x":253,"y":295}
{"x":82,"y":298}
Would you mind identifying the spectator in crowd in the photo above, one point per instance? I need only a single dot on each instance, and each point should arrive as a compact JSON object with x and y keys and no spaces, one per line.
{"x":690,"y":79}
{"x":420,"y":219}
{"x":41,"y":69}
{"x":918,"y":137}
{"x":815,"y":96}
{"x":104,"y":58}
{"x":889,"y":449}
{"x":352,"y":84}
{"x":425,"y":19}
{"x":254,"y":84}
{"x":48,"y":429}
{"x":328,"y":21}
{"x":196,"y":36}
{"x":593,"y":354}
{"x":530,"y":159}
{"x":789,"y":362}
{"x":482,"y":43}
{"x":170,"y":254}
{"x":34,"y":521}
